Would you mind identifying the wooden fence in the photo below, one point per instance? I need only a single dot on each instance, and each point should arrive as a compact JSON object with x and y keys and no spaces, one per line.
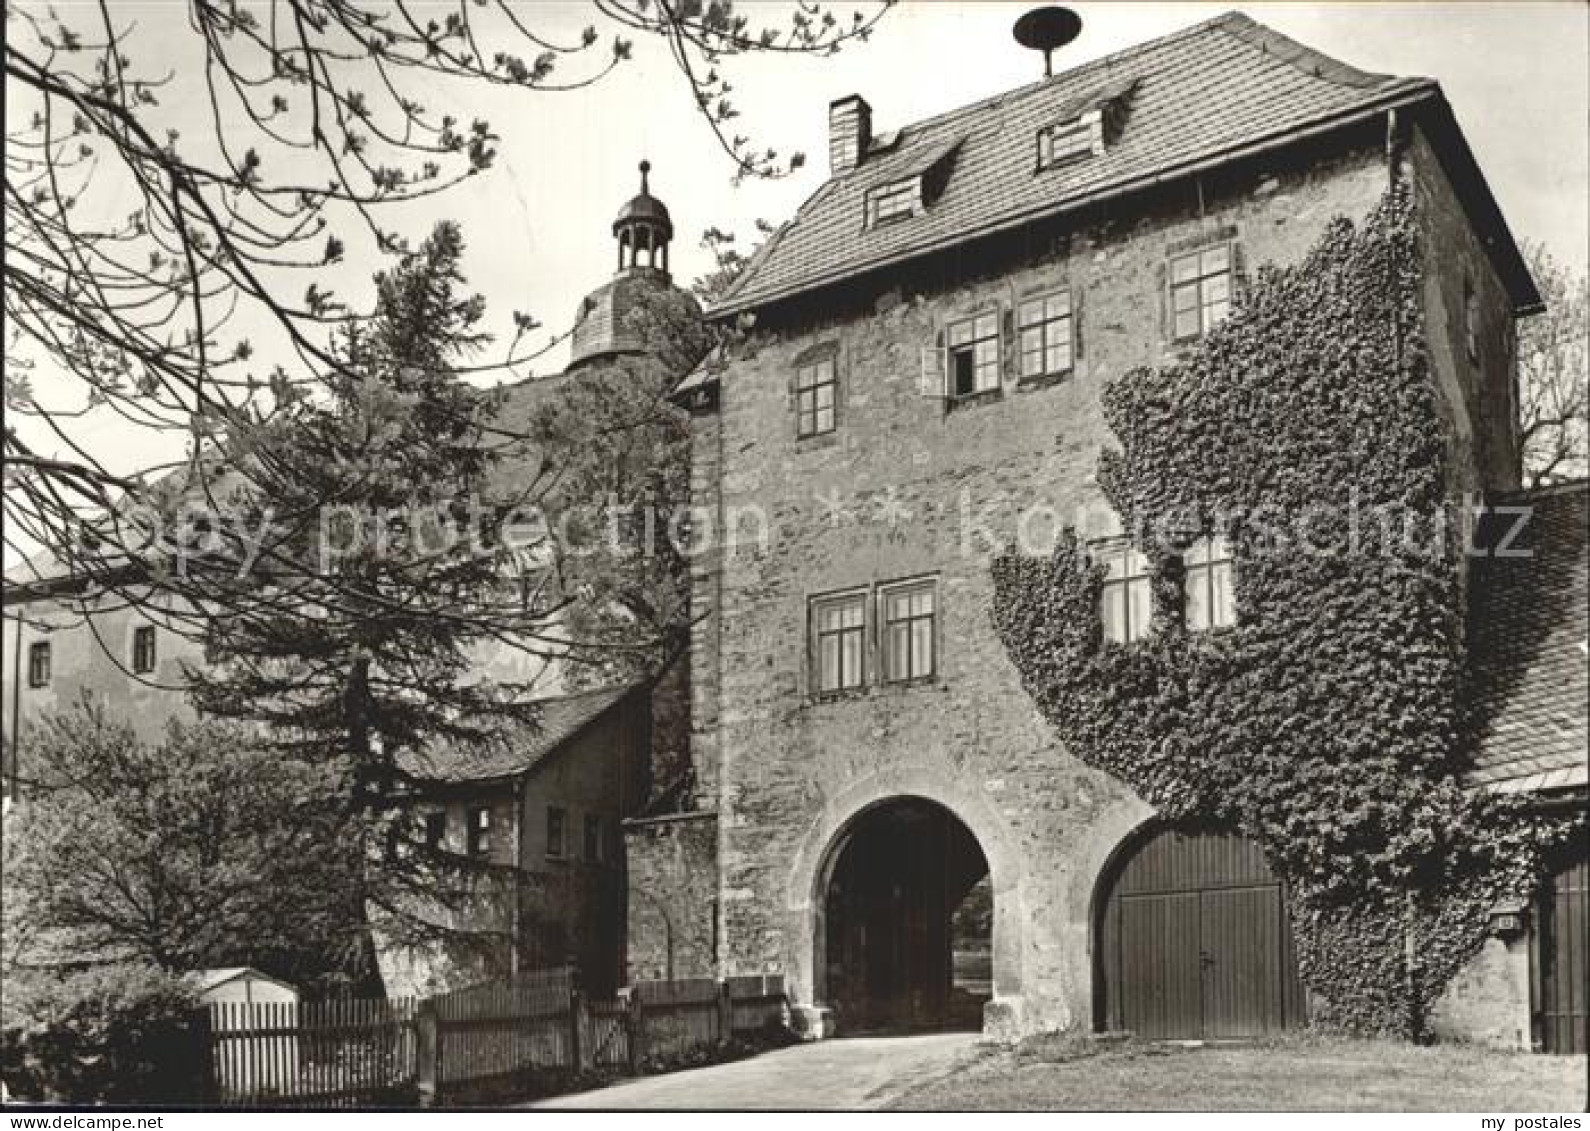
{"x":503,"y":1029}
{"x":330,"y":1054}
{"x":368,"y":1053}
{"x":669,"y":1019}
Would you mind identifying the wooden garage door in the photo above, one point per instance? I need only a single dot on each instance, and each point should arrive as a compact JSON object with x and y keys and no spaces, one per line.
{"x":1563,"y":957}
{"x":1194,"y":942}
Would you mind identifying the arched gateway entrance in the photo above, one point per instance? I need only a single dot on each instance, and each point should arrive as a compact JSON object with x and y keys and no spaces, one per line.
{"x":903,"y":932}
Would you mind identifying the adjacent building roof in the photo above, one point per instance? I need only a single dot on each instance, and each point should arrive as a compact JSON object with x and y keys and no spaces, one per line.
{"x":1528,"y":639}
{"x":1192,"y":99}
{"x":562,"y":719}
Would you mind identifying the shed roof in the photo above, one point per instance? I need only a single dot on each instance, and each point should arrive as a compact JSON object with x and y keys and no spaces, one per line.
{"x":1200,"y":96}
{"x":206,"y":980}
{"x":1528,"y":640}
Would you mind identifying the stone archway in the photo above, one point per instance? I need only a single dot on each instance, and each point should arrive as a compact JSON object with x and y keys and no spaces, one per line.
{"x":884,"y":959}
{"x":862,"y":811}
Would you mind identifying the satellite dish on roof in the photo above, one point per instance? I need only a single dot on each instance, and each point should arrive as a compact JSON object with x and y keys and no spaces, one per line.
{"x":1044,"y":29}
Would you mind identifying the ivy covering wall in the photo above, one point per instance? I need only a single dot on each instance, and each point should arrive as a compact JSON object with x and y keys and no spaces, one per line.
{"x":1327,"y":724}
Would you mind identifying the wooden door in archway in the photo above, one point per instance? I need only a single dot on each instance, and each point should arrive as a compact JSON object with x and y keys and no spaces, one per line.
{"x":1194,"y":942}
{"x":898,"y":875}
{"x":1562,"y":959}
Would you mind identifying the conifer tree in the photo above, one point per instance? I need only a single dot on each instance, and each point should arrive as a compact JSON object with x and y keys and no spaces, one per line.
{"x":365,"y":583}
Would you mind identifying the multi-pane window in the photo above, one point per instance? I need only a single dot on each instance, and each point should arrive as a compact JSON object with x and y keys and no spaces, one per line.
{"x":480,"y":832}
{"x":1126,"y":603}
{"x":593,"y":838}
{"x":39,"y":664}
{"x":895,"y":201}
{"x":143,"y":657}
{"x":909,"y":638}
{"x":1069,"y":139}
{"x":839,"y":631}
{"x":973,"y":346}
{"x":1200,"y":290}
{"x":1043,"y":330}
{"x":436,"y":829}
{"x":1208,"y":580}
{"x":557,"y":831}
{"x":815,"y":386}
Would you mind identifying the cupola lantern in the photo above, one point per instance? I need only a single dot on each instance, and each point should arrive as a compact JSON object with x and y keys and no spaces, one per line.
{"x":643,"y":230}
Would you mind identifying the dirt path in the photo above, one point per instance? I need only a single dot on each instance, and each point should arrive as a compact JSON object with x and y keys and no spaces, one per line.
{"x":847,"y":1074}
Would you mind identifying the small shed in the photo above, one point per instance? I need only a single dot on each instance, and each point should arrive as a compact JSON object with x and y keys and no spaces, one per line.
{"x":242,"y":983}
{"x":253,"y":1019}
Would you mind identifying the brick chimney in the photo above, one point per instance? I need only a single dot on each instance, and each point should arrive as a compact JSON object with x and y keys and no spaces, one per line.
{"x":849,"y":133}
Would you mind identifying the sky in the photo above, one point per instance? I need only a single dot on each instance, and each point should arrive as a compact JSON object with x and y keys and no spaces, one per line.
{"x":538,"y":225}
{"x":1516,"y":75}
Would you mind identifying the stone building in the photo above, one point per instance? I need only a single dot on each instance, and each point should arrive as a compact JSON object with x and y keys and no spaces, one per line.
{"x":917,"y":381}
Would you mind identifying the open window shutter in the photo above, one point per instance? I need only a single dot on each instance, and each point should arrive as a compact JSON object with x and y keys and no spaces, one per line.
{"x":840,"y":354}
{"x":1162,"y":285}
{"x":1009,"y":355}
{"x":933,"y":380}
{"x":1076,"y":326}
{"x":1239,"y":271}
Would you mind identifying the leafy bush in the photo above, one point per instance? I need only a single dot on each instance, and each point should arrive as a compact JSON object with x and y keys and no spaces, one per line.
{"x":116,"y":1034}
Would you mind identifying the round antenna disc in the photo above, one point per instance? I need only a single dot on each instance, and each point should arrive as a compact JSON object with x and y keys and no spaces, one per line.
{"x":1044,"y":29}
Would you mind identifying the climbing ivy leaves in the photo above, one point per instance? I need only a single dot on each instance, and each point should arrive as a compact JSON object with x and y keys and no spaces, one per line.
{"x":1327,"y":724}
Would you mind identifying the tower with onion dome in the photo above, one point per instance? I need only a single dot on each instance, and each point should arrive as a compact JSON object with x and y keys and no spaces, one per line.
{"x":638,"y":312}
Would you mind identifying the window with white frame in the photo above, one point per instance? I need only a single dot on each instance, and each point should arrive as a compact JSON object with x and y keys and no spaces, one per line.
{"x":815,"y":387}
{"x":1043,"y":333}
{"x":1065,"y":141}
{"x":897,"y":201}
{"x":1126,"y":602}
{"x":972,"y":346}
{"x":909,"y":631}
{"x":480,"y":832}
{"x":1200,"y":290}
{"x":839,"y":638}
{"x":1210,"y":600}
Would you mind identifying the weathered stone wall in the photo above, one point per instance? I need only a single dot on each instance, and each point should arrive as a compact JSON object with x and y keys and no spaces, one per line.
{"x":706,"y":601}
{"x":1488,"y":1001}
{"x":906,"y":488}
{"x":673,"y":896}
{"x":670,"y":725}
{"x":1479,"y":398}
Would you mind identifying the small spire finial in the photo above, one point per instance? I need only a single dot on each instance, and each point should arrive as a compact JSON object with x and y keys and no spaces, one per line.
{"x":645,"y":168}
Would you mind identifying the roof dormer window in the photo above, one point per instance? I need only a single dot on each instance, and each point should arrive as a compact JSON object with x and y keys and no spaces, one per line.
{"x":1071,"y":141}
{"x":1085,"y":126}
{"x":898,"y":200}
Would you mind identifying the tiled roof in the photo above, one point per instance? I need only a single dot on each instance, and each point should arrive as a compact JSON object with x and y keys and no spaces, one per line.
{"x":1188,"y":98}
{"x":1528,"y":639}
{"x":605,"y":323}
{"x":562,"y":719}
